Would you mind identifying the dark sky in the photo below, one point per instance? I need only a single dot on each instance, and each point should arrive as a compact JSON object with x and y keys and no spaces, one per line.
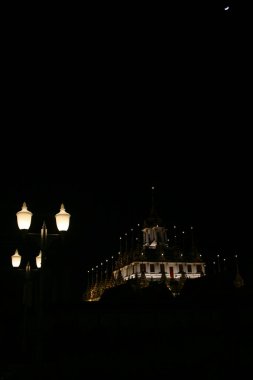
{"x":100,"y":106}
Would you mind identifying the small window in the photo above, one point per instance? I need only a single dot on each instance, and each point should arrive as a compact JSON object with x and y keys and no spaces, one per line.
{"x":189,"y":268}
{"x":152,"y":267}
{"x":181,"y":268}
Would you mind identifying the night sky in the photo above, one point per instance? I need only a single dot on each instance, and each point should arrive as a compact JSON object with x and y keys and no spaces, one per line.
{"x":99,"y":108}
{"x":99,"y":104}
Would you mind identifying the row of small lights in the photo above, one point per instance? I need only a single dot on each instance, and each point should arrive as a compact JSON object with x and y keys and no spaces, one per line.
{"x":126,"y":234}
{"x":142,"y":254}
{"x":224,"y":259}
{"x":101,"y":264}
{"x":120,"y":238}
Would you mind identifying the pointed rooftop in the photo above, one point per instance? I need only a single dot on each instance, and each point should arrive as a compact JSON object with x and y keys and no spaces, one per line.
{"x":153,"y":219}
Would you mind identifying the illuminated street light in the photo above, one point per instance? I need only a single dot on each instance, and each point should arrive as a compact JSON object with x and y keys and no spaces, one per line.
{"x":38,"y":260}
{"x":24,"y":219}
{"x":62,"y":219}
{"x":16,"y":259}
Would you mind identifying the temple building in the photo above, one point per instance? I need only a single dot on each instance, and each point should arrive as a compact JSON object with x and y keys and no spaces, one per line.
{"x":148,"y":254}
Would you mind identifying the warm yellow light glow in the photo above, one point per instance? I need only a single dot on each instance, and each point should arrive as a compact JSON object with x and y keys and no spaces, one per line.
{"x":24,"y":218}
{"x":28,"y":267}
{"x":38,"y":260}
{"x":16,"y":259}
{"x":62,"y":219}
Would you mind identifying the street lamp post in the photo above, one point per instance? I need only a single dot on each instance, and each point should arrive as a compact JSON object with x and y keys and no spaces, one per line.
{"x":24,"y":218}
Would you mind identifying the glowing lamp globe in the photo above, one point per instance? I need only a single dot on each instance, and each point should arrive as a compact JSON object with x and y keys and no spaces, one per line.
{"x":38,"y":260}
{"x":16,"y":259}
{"x":24,"y":218}
{"x":62,"y":219}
